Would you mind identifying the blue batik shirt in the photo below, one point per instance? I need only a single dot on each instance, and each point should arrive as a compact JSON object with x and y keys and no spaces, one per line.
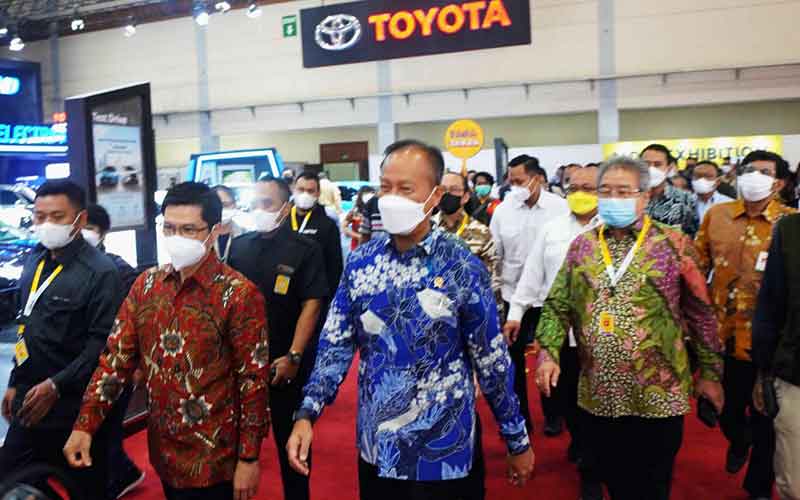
{"x":424,"y":321}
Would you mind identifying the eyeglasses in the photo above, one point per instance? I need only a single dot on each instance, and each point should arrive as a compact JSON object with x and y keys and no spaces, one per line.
{"x":749,"y":169}
{"x":586,"y":189}
{"x":187,"y":231}
{"x":623,"y":192}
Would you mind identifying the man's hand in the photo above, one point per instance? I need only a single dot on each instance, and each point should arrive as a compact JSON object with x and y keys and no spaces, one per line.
{"x":511,"y":331}
{"x":8,"y":400}
{"x":520,"y":467}
{"x":758,"y":396}
{"x":78,"y":449}
{"x":38,"y":403}
{"x":547,"y":376}
{"x":298,"y":445}
{"x":285,"y":372}
{"x":712,"y":391}
{"x":245,"y":480}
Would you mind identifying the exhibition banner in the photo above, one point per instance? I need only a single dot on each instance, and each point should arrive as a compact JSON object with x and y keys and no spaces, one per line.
{"x":388,"y":29}
{"x":707,"y":148}
{"x":463,"y":139}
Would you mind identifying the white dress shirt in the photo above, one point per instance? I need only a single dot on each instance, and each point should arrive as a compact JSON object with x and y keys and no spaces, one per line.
{"x":703,"y":206}
{"x":515,"y":227}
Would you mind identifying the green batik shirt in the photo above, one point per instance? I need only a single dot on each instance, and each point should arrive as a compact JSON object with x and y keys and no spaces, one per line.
{"x":636,"y":365}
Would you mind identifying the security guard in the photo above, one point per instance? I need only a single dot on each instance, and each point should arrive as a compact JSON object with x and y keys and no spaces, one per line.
{"x":70,"y":293}
{"x":290,"y":271}
{"x":308,"y":217}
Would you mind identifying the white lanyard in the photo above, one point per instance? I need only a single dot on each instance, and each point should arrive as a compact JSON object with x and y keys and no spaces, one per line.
{"x":34,"y":296}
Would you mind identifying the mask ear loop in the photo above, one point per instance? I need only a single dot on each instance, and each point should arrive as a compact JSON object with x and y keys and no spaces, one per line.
{"x":427,"y":200}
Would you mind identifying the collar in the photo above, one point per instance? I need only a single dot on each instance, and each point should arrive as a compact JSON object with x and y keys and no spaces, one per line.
{"x":204,"y":275}
{"x":632,"y":230}
{"x":66,"y":254}
{"x":441,"y":221}
{"x":771,"y":212}
{"x":427,"y":245}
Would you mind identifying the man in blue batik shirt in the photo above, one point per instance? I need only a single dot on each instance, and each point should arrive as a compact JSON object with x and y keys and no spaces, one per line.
{"x":419,"y":308}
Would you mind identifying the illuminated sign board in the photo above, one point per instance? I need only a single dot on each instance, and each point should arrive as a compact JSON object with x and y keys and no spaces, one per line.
{"x":33,"y":134}
{"x":9,"y":85}
{"x":388,"y":29}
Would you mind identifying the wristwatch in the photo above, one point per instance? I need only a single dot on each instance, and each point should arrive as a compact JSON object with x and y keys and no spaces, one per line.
{"x":295,"y":357}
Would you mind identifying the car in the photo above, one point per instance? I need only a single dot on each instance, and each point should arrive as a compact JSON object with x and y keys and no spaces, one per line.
{"x":16,"y":205}
{"x":15,"y":245}
{"x":349,"y":190}
{"x":108,"y":177}
{"x":130,"y":176}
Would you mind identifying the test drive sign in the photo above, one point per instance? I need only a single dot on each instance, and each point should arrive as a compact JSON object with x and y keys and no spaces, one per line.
{"x":388,"y":29}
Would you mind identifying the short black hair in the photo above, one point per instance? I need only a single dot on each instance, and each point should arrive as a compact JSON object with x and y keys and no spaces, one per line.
{"x":709,"y":162}
{"x":531,"y":164}
{"x":196,"y":194}
{"x":433,"y":153}
{"x":312,"y":176}
{"x":97,"y":216}
{"x":595,"y":165}
{"x":225,"y":189}
{"x":73,"y":192}
{"x":283,"y":186}
{"x":485,"y":175}
{"x":661,"y":149}
{"x":781,"y":166}
{"x":692,"y":158}
{"x":464,"y":180}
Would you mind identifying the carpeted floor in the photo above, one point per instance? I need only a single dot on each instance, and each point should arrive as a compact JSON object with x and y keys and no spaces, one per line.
{"x":699,"y":473}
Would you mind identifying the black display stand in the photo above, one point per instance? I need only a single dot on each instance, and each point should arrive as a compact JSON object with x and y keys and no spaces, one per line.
{"x":126,"y":107}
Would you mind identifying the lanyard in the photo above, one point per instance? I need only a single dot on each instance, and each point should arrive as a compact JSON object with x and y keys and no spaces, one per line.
{"x":463,"y":225}
{"x":223,"y":256}
{"x":294,"y":220}
{"x":36,"y":291}
{"x":616,"y":274}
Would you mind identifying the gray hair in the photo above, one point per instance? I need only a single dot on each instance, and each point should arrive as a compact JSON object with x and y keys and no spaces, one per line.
{"x":629,"y":164}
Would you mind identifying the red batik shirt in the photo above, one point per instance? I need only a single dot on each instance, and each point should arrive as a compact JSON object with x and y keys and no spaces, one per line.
{"x":203,"y":348}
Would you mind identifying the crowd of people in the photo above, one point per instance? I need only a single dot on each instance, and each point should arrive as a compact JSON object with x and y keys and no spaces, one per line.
{"x":638,"y":286}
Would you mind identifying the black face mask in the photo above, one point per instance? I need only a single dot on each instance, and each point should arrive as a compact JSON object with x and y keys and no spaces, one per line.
{"x":450,"y":204}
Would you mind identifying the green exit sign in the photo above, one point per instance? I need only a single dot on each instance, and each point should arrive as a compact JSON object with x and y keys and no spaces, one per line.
{"x":289,"y":26}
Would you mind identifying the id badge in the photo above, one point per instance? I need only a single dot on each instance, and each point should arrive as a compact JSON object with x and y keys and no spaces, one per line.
{"x":21,"y":352}
{"x":282,"y":284}
{"x":761,"y":262}
{"x":606,"y":323}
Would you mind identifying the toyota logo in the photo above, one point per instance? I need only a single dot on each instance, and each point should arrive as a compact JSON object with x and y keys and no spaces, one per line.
{"x":339,"y":32}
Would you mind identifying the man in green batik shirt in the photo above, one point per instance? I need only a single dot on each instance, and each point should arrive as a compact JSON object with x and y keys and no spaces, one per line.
{"x":630,"y":289}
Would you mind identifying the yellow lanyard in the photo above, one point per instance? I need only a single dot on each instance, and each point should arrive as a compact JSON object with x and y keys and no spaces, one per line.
{"x":616,"y":274}
{"x":463,"y":225}
{"x":33,"y":296}
{"x":294,"y":220}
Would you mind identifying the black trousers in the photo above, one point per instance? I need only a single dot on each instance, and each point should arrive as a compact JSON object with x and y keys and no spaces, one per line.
{"x":118,"y":460}
{"x":744,"y":426}
{"x":283,"y":402}
{"x":471,"y":487}
{"x":219,"y":491}
{"x":633,"y":456}
{"x":563,"y":400}
{"x":517,"y":350}
{"x":24,"y":447}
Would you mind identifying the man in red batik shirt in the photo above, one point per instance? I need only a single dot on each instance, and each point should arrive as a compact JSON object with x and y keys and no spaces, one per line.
{"x":197,"y":329}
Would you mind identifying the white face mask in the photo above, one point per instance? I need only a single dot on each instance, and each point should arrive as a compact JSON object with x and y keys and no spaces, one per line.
{"x":91,"y":237}
{"x":228,"y":214}
{"x":53,"y":236}
{"x":704,"y":186}
{"x":304,"y":201}
{"x":265,"y":221}
{"x":726,"y":168}
{"x":401,"y":215}
{"x":657,"y":177}
{"x":755,"y":186}
{"x":185,"y":252}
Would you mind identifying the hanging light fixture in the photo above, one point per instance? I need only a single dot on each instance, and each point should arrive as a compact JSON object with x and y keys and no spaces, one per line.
{"x":130,"y":29}
{"x":222,"y":6}
{"x":16,"y":44}
{"x":253,"y":11}
{"x":200,"y":13}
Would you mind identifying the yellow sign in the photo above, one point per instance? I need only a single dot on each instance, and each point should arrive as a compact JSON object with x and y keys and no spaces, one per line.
{"x":464,"y":139}
{"x":706,"y":148}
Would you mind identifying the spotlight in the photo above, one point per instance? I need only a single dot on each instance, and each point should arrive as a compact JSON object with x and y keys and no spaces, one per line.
{"x":16,"y":44}
{"x":200,"y":14}
{"x":129,"y":30}
{"x":253,"y":11}
{"x":222,"y":6}
{"x":3,"y":31}
{"x":77,"y":23}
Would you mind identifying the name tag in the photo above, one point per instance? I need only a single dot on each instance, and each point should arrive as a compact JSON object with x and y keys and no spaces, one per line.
{"x":282,"y":284}
{"x":606,"y":323}
{"x":21,"y":352}
{"x":761,"y":262}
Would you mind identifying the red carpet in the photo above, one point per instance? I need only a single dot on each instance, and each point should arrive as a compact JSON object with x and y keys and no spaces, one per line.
{"x":699,"y":473}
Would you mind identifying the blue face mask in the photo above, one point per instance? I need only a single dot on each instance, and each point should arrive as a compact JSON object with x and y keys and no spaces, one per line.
{"x":617,"y":212}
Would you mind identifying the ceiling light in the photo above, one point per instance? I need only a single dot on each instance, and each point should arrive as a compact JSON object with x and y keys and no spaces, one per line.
{"x":222,"y":6}
{"x":200,"y":14}
{"x":77,"y":23}
{"x":129,"y":30}
{"x":3,"y":31}
{"x":253,"y":11}
{"x":16,"y":44}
